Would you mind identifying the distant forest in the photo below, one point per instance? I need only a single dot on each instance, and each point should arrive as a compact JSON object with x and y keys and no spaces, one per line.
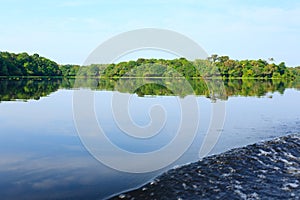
{"x":22,"y":64}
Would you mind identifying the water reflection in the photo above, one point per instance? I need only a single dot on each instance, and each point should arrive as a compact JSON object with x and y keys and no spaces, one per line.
{"x":43,"y":158}
{"x":25,"y":89}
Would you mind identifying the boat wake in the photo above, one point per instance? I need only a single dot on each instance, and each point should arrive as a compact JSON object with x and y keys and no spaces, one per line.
{"x":266,"y":170}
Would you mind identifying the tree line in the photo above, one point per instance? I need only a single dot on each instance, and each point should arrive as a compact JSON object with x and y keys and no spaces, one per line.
{"x":215,"y":66}
{"x":22,"y":64}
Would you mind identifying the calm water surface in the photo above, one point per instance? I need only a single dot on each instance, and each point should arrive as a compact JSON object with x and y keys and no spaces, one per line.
{"x":42,"y":156}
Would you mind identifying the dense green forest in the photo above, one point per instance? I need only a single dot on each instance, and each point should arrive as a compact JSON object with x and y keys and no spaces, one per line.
{"x":25,"y":65}
{"x":221,"y":66}
{"x":215,"y":66}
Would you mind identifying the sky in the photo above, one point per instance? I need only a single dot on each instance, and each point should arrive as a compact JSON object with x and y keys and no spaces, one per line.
{"x":67,"y":31}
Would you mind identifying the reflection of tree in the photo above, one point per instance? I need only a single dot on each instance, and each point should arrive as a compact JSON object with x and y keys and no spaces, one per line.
{"x":24,"y":89}
{"x":153,"y":89}
{"x":251,"y":87}
{"x":210,"y":88}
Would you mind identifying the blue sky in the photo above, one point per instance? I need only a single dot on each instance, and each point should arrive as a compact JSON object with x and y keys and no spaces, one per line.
{"x":68,"y":30}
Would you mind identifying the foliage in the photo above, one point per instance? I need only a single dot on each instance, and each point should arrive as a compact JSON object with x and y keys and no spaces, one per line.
{"x":251,"y":68}
{"x":25,"y":65}
{"x":215,"y":66}
{"x":69,"y":70}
